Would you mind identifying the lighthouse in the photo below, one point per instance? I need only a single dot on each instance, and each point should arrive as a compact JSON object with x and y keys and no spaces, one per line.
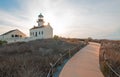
{"x":40,"y":20}
{"x":41,"y":31}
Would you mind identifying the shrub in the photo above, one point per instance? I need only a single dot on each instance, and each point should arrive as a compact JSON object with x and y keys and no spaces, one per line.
{"x":32,"y":59}
{"x":3,"y":42}
{"x":56,"y":37}
{"x":111,"y":50}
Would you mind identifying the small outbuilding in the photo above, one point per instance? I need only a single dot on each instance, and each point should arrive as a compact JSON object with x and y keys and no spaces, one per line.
{"x":12,"y":35}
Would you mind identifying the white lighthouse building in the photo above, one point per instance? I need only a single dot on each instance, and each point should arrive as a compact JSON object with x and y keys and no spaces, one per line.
{"x":41,"y":31}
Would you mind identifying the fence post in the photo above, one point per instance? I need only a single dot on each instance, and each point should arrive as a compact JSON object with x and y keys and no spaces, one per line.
{"x":61,"y":58}
{"x":51,"y":69}
{"x":69,"y":53}
{"x":60,"y":55}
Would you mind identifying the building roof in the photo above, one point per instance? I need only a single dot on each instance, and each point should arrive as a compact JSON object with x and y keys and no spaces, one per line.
{"x":9,"y":32}
{"x":12,"y":31}
{"x":36,"y":27}
{"x":40,"y":15}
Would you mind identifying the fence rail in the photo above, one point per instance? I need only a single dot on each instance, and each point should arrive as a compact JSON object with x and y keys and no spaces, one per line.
{"x":112,"y":70}
{"x":67,"y":54}
{"x":109,"y":66}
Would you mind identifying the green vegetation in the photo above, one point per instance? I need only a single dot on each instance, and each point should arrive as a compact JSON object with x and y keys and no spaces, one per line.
{"x":3,"y":42}
{"x":56,"y":37}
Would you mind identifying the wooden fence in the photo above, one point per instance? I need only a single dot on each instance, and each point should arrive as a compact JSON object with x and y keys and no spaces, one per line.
{"x":68,"y":54}
{"x":106,"y":59}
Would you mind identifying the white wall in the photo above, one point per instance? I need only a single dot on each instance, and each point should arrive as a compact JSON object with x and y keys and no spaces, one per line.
{"x":42,"y":33}
{"x":8,"y":37}
{"x":47,"y":33}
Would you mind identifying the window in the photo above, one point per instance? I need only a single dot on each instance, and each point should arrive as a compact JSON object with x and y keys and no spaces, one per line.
{"x":39,"y":33}
{"x":33,"y":33}
{"x":42,"y":32}
{"x":16,"y":36}
{"x":36,"y":34}
{"x":12,"y":35}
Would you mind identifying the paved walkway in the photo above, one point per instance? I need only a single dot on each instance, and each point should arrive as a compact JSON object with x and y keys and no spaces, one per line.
{"x":83,"y":64}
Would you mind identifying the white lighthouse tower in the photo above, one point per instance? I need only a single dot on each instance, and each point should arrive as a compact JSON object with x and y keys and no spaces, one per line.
{"x":40,"y":20}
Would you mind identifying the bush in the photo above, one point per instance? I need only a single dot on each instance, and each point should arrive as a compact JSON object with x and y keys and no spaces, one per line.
{"x":110,"y":49}
{"x":56,"y":37}
{"x":32,"y":59}
{"x":3,"y":42}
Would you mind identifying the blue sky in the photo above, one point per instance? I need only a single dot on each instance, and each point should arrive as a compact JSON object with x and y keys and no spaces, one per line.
{"x":9,"y":5}
{"x":69,"y":18}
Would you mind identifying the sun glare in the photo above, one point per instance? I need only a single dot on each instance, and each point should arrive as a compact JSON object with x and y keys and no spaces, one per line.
{"x":58,"y":28}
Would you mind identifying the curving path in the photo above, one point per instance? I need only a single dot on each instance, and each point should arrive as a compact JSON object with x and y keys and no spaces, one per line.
{"x":84,"y":64}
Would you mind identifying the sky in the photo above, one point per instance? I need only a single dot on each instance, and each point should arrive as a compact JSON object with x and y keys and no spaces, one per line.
{"x":99,"y":19}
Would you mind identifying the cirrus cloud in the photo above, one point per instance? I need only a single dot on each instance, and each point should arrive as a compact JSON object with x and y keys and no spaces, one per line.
{"x":69,"y":18}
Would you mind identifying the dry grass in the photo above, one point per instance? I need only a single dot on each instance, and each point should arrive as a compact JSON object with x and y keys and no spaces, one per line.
{"x":32,"y":59}
{"x":111,"y":49}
